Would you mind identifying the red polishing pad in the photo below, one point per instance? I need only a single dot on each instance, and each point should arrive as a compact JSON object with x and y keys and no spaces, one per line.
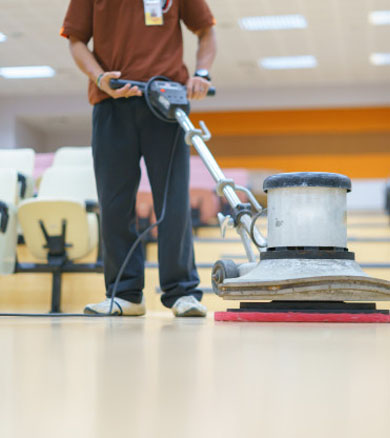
{"x":301,"y":317}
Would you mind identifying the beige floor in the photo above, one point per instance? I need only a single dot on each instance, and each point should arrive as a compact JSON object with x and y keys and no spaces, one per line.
{"x":161,"y":377}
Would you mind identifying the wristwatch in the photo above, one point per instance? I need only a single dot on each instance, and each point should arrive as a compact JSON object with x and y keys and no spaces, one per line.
{"x":203,"y":73}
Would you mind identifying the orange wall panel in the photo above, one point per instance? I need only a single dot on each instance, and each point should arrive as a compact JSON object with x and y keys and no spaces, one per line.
{"x":354,"y":166}
{"x":332,"y":120}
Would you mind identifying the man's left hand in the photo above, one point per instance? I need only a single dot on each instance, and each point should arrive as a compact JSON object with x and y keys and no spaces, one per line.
{"x":197,"y":88}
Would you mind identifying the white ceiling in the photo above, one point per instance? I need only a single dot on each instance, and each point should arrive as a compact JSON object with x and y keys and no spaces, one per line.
{"x":338,"y":34}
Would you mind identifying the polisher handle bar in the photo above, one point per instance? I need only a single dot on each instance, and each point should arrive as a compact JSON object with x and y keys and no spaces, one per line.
{"x":217,"y":174}
{"x":119,"y":83}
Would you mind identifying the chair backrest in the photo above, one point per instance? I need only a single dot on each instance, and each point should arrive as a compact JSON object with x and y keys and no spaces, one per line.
{"x":61,"y":197}
{"x":69,"y":182}
{"x":8,"y":236}
{"x":73,"y":156}
{"x":20,"y":159}
{"x":23,"y":161}
{"x":81,"y":228}
{"x":9,"y":186}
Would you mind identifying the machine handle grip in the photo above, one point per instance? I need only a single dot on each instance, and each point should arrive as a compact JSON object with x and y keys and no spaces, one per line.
{"x":119,"y":83}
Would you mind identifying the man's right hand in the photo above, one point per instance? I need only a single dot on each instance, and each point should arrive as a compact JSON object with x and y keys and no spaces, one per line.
{"x":126,"y":91}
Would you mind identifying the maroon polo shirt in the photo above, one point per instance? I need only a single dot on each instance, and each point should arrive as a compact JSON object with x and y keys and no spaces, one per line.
{"x":122,"y":41}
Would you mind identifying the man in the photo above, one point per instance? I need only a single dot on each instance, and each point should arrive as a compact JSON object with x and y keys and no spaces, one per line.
{"x":136,"y":40}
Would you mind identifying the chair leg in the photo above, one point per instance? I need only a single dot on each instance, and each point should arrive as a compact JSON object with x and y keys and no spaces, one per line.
{"x":56,"y":292}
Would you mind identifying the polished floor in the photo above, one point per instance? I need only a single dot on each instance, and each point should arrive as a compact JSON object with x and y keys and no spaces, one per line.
{"x":161,"y":377}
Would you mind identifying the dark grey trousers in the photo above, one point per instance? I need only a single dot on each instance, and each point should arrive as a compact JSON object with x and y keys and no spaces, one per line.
{"x":124,"y":130}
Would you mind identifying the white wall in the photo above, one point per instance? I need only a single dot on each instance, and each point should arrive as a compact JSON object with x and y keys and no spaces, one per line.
{"x":7,"y":126}
{"x":44,"y":123}
{"x":28,"y":136}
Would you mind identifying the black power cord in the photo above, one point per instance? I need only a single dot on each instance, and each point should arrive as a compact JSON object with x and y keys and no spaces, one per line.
{"x":140,"y":237}
{"x":253,"y":223}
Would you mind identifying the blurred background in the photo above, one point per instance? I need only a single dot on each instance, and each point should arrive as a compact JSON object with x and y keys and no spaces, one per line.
{"x":302,"y":85}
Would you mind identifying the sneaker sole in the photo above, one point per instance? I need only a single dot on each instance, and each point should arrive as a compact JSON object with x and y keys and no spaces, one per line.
{"x":89,"y":311}
{"x":191,"y":312}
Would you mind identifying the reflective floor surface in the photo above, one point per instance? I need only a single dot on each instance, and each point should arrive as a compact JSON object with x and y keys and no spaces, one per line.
{"x":161,"y":377}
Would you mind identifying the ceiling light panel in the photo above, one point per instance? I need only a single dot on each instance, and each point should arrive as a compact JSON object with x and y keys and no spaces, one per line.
{"x":3,"y":37}
{"x":273,"y":22}
{"x":288,"y":62}
{"x":380,"y":58}
{"x":28,"y":72}
{"x":379,"y":18}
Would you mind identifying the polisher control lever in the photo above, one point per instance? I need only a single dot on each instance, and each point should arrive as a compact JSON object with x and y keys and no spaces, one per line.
{"x":225,"y":222}
{"x":203,"y":133}
{"x":206,"y":133}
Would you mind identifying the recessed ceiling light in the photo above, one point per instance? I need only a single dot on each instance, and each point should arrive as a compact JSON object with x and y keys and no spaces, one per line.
{"x":379,"y":18}
{"x":380,"y":58}
{"x":273,"y":22}
{"x":3,"y":37}
{"x":36,"y":71}
{"x":288,"y":62}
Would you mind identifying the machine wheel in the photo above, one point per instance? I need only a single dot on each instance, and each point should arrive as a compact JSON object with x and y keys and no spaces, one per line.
{"x":222,"y":270}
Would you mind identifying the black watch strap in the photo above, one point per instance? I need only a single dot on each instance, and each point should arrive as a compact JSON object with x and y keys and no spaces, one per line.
{"x":203,"y":73}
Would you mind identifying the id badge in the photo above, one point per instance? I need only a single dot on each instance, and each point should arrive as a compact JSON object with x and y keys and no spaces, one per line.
{"x":153,"y":13}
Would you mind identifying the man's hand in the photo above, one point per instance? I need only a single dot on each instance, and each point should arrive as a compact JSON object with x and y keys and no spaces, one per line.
{"x":197,"y":88}
{"x":126,"y":91}
{"x":87,"y":63}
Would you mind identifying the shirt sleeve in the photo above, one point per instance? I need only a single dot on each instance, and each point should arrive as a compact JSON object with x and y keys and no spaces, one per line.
{"x":78,"y":20}
{"x":196,"y":14}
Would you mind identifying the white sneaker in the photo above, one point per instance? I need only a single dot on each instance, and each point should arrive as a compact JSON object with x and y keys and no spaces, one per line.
{"x":189,"y":306}
{"x":120,"y":308}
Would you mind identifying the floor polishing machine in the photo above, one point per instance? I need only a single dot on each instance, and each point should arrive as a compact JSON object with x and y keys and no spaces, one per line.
{"x":303,"y":271}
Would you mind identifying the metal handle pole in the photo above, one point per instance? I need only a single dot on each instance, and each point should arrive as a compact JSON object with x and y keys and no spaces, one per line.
{"x":207,"y":157}
{"x":216,"y":172}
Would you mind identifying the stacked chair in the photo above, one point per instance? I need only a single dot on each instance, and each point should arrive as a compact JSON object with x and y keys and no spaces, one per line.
{"x":60,"y":225}
{"x":73,"y":156}
{"x":22,"y":160}
{"x":8,"y":224}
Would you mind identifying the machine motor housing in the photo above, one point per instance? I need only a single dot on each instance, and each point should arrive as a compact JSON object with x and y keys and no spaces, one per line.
{"x":167,"y":97}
